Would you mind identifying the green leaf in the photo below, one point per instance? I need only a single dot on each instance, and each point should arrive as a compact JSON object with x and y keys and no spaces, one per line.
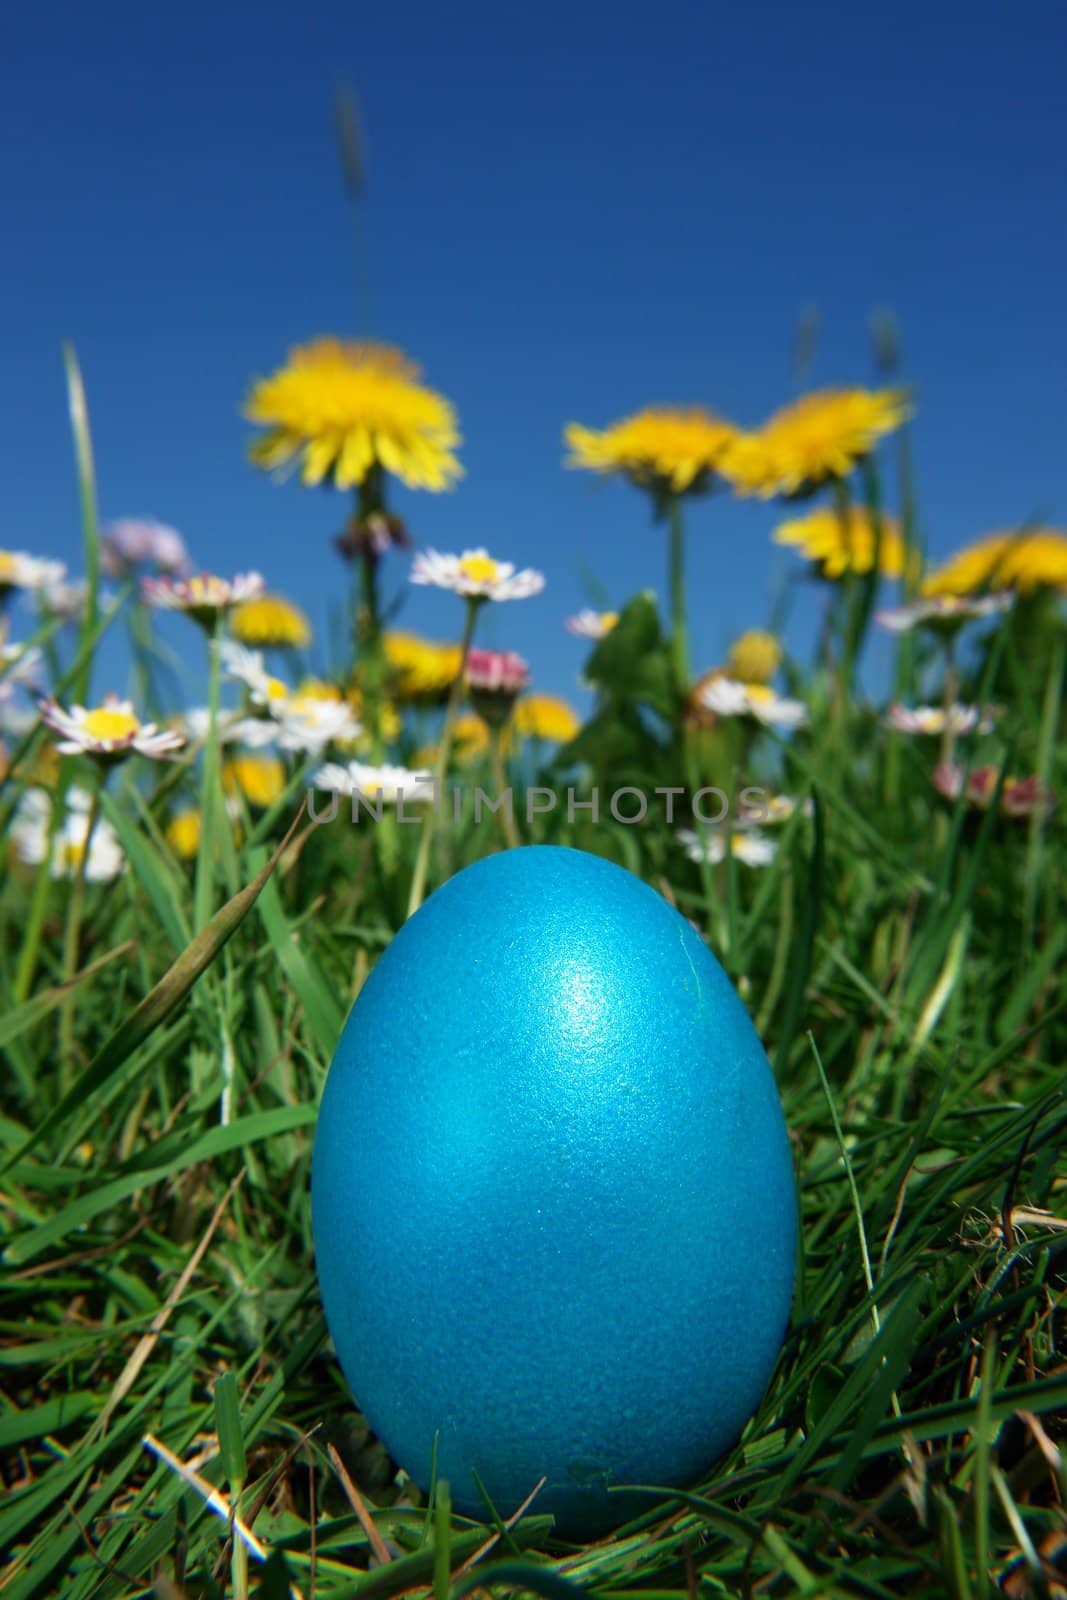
{"x":231,"y":1436}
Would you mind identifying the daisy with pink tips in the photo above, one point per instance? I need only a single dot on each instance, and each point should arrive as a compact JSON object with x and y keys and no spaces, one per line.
{"x":203,"y":597}
{"x":497,"y":672}
{"x":1019,"y":797}
{"x":133,"y":542}
{"x":110,"y":731}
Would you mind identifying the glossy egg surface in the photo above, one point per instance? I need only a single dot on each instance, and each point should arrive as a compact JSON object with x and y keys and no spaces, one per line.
{"x":552,"y":1193}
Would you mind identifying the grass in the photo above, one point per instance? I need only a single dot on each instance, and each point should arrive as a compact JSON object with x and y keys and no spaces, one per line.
{"x":174,"y":1420}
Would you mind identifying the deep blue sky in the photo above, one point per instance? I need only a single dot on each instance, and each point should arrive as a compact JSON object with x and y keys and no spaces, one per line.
{"x":572,"y":210}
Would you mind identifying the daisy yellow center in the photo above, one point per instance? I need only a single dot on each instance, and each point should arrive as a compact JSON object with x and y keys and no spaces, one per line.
{"x":72,"y":853}
{"x":7,"y":566}
{"x":480,"y":569}
{"x":760,"y":693}
{"x":206,"y":591}
{"x":104,"y":723}
{"x":276,"y":689}
{"x":608,"y":619}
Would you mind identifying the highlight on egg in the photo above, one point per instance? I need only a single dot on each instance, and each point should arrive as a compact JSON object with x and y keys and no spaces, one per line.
{"x":553,"y":1201}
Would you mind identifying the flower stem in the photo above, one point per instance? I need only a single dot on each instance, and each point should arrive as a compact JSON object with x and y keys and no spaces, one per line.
{"x":1050,"y":716}
{"x":444,"y":750}
{"x":679,"y":639}
{"x":500,"y":782}
{"x":368,"y":626}
{"x":209,"y":802}
{"x":72,"y":941}
{"x":949,"y":691}
{"x":31,"y":939}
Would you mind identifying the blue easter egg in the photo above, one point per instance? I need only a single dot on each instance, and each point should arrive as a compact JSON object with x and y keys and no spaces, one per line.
{"x":552,"y":1193}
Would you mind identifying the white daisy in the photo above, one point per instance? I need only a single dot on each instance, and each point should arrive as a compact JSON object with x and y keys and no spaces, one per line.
{"x":247,"y":667}
{"x":15,"y":720}
{"x":232,"y":727}
{"x":476,"y":575}
{"x":592,"y":624}
{"x":21,"y":571}
{"x":67,"y":600}
{"x":773,"y":809}
{"x":390,"y":782}
{"x":933,"y":719}
{"x":29,"y":837}
{"x":111,"y":730}
{"x":729,"y":698}
{"x":204,"y":596}
{"x":310,"y":722}
{"x":745,"y":844}
{"x":141,"y":541}
{"x":945,"y":610}
{"x":19,"y":663}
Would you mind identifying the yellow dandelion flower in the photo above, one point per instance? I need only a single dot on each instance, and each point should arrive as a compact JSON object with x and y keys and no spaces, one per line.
{"x":660,"y":448}
{"x":840,"y":544}
{"x":545,"y":716}
{"x":344,"y":409}
{"x":754,"y":656}
{"x":270,"y":620}
{"x":1020,"y":561}
{"x":318,"y":689}
{"x":388,"y":717}
{"x":470,"y":737}
{"x":820,"y":436}
{"x":470,"y":743}
{"x":260,"y":778}
{"x":421,"y":668}
{"x":183,"y":834}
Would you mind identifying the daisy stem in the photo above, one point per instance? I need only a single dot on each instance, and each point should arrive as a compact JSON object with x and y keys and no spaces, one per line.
{"x":444,"y":750}
{"x":679,"y":641}
{"x":31,"y":941}
{"x":1050,"y":716}
{"x":949,"y":692}
{"x":72,"y":940}
{"x":202,"y":893}
{"x":500,"y":782}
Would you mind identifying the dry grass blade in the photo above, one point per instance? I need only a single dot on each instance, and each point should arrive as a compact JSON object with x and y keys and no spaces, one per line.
{"x":145,"y":1345}
{"x":491,"y":1543}
{"x":359,"y":1506}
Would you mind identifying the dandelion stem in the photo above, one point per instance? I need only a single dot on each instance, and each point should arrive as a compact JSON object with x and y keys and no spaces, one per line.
{"x":444,"y":750}
{"x":679,"y":640}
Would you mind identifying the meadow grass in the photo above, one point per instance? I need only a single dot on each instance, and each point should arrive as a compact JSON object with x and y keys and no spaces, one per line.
{"x":167,"y":1036}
